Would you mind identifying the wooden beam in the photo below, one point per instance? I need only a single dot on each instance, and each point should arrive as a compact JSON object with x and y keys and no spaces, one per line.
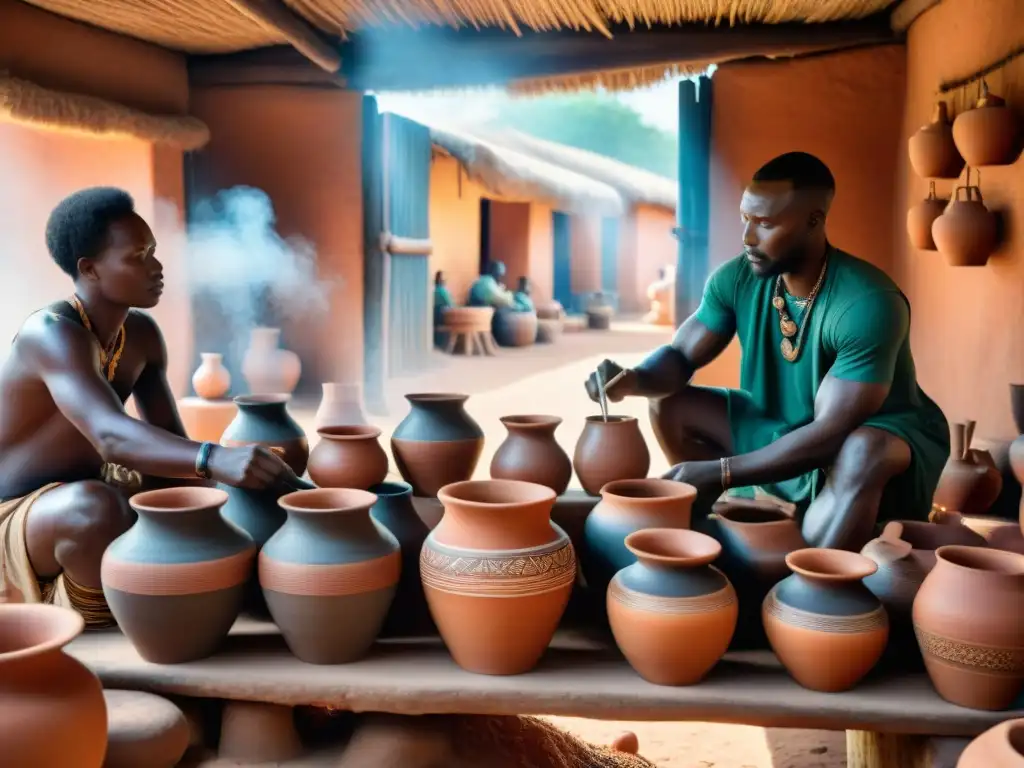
{"x":906,"y":13}
{"x":276,"y":16}
{"x":408,"y":246}
{"x":278,"y":65}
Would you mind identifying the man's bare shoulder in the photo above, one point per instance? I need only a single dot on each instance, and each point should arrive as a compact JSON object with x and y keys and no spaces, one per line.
{"x":142,"y":330}
{"x":45,"y":327}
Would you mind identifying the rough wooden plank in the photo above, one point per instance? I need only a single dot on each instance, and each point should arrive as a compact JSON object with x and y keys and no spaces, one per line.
{"x":278,"y":17}
{"x":866,"y":749}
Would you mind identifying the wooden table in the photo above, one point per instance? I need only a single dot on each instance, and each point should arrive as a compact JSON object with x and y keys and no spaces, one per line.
{"x":473,"y":339}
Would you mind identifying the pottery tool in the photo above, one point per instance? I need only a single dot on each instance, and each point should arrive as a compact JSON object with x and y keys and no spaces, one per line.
{"x":602,"y":396}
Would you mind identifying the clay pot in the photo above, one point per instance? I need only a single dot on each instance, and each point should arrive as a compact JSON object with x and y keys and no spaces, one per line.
{"x":933,"y":153}
{"x":264,"y":420}
{"x":175,"y":580}
{"x":206,"y":420}
{"x":988,"y":134}
{"x":966,"y":232}
{"x":627,"y":506}
{"x":55,"y":714}
{"x":920,"y":219}
{"x":970,"y":482}
{"x":348,"y":457}
{"x":548,"y":331}
{"x":394,"y":510}
{"x":531,"y":453}
{"x":599,"y":312}
{"x":329,"y":574}
{"x":211,"y":381}
{"x":340,"y":406}
{"x":269,"y":370}
{"x":672,"y":592}
{"x":497,"y":574}
{"x":970,"y":628}
{"x":550,"y":310}
{"x":514,"y":329}
{"x":437,"y":443}
{"x":826,"y":627}
{"x":998,"y":747}
{"x":610,"y":450}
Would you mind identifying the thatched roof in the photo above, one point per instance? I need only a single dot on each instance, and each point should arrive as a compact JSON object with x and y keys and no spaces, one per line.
{"x":637,"y":186}
{"x":507,"y":173}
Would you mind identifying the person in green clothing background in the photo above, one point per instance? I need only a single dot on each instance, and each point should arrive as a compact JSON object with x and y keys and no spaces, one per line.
{"x":829,"y":414}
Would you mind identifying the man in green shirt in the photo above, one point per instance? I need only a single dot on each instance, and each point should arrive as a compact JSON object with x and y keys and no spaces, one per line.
{"x":829,"y":414}
{"x":489,"y":291}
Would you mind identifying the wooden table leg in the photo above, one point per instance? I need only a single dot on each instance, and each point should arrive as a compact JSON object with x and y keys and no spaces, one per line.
{"x":449,"y":348}
{"x":866,"y":749}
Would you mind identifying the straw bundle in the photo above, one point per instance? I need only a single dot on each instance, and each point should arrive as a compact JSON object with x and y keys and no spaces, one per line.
{"x":609,"y":80}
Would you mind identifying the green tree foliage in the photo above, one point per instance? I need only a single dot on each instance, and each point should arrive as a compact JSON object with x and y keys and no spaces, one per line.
{"x":596,"y":122}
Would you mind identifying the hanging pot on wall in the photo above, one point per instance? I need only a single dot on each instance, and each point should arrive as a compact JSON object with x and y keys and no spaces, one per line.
{"x":988,"y":134}
{"x":966,"y":232}
{"x":921,"y":217}
{"x":933,"y":153}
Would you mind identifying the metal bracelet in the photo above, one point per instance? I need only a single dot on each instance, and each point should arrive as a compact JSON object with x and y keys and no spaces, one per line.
{"x":203,"y":460}
{"x":726,"y":473}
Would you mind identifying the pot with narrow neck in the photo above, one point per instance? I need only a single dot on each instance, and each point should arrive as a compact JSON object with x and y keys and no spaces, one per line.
{"x":970,"y":481}
{"x":607,"y":450}
{"x":531,"y":453}
{"x":211,"y":381}
{"x":264,"y":420}
{"x":269,"y":370}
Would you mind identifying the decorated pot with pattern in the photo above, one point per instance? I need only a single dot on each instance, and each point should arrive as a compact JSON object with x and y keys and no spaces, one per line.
{"x":672,"y":592}
{"x":329,"y":574}
{"x":264,"y":420}
{"x":437,"y":443}
{"x":175,"y":580}
{"x":970,"y":627}
{"x":825,"y":626}
{"x":497,"y":574}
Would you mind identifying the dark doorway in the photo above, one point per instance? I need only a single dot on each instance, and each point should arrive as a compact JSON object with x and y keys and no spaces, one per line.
{"x":562,"y":286}
{"x":485,"y":234}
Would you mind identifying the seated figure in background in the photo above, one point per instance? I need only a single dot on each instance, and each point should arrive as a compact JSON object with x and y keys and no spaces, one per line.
{"x":442,"y":300}
{"x":662,"y":295}
{"x":523,"y":300}
{"x":489,"y":289}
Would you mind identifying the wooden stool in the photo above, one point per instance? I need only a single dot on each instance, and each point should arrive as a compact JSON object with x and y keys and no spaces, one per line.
{"x":144,"y":731}
{"x":471,"y":326}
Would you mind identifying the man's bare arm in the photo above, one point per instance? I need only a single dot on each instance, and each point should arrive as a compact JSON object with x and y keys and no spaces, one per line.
{"x":669,"y":368}
{"x":152,"y":392}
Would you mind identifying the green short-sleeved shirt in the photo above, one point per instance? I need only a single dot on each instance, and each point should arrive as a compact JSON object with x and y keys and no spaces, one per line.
{"x":860,"y":331}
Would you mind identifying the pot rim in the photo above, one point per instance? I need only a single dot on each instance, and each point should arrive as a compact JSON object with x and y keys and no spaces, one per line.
{"x":836,"y":565}
{"x":776,"y":515}
{"x":531,"y":420}
{"x":321,"y":500}
{"x":347,"y":432}
{"x":211,"y":355}
{"x":436,"y":397}
{"x":274,"y":399}
{"x":599,"y":419}
{"x":64,"y":625}
{"x":1014,"y":733}
{"x":391,"y":489}
{"x":188,"y":499}
{"x":671,"y":491}
{"x":981,"y":559}
{"x":673,"y":546}
{"x":538,"y":494}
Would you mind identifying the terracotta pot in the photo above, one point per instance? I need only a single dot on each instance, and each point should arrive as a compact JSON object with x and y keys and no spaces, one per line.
{"x":437,"y":443}
{"x":264,"y":420}
{"x":514,"y":329}
{"x":610,"y":450}
{"x":988,"y":134}
{"x":211,"y":381}
{"x":627,"y":506}
{"x":206,"y":420}
{"x":531,"y":453}
{"x":340,"y":406}
{"x":348,"y":457}
{"x":269,"y":370}
{"x":497,"y":574}
{"x":998,"y":747}
{"x":966,"y":232}
{"x":970,"y":482}
{"x":826,"y":627}
{"x":920,"y":219}
{"x":970,"y":628}
{"x":175,"y":580}
{"x":550,"y":310}
{"x":329,"y":574}
{"x":394,"y":510}
{"x":548,"y":331}
{"x":55,"y":714}
{"x":672,"y":592}
{"x":933,"y":153}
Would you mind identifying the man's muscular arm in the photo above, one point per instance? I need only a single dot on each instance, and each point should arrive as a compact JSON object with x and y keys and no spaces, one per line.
{"x":152,"y":391}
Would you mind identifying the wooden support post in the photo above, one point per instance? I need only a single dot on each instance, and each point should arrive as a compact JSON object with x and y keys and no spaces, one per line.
{"x":693,"y":210}
{"x":867,"y":749}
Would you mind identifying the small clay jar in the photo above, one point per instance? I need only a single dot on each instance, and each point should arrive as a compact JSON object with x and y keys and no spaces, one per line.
{"x":970,"y":627}
{"x":531,"y":453}
{"x":933,"y":152}
{"x":999,"y":747}
{"x":211,"y":381}
{"x":340,"y":406}
{"x":348,"y":457}
{"x":826,"y":627}
{"x":966,"y":232}
{"x":610,"y":450}
{"x":970,"y":482}
{"x":264,"y":420}
{"x":920,"y":219}
{"x":672,"y":592}
{"x":988,"y":134}
{"x":514,"y":329}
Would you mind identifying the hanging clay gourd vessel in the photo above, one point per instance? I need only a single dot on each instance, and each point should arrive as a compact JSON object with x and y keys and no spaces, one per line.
{"x":966,"y":232}
{"x":1001,"y":746}
{"x":497,"y":574}
{"x":610,"y":450}
{"x":269,"y":370}
{"x":921,"y":217}
{"x":933,"y":153}
{"x":826,"y":627}
{"x":970,"y":482}
{"x":211,"y":381}
{"x":531,"y":453}
{"x":988,"y":134}
{"x":437,"y":443}
{"x":340,"y":406}
{"x":348,"y":457}
{"x":54,"y":711}
{"x":970,"y":627}
{"x":672,"y":592}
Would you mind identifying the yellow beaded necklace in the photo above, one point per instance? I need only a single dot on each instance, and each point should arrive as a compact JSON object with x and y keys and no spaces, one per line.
{"x":110,"y":357}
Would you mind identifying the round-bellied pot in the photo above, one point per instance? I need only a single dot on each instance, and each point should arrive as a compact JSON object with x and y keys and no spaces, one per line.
{"x":514,"y":329}
{"x":933,"y":153}
{"x":967,"y":232}
{"x":970,"y":627}
{"x":497,"y":574}
{"x":531,"y":453}
{"x":393,"y":509}
{"x":988,"y":134}
{"x":175,"y":580}
{"x":267,"y":368}
{"x":329,"y":574}
{"x":264,"y":420}
{"x":672,"y":592}
{"x":627,"y":506}
{"x":826,"y":627}
{"x":54,"y":711}
{"x":211,"y":381}
{"x":920,"y":219}
{"x":437,"y":443}
{"x":970,"y":482}
{"x":610,"y":450}
{"x":348,"y":457}
{"x":999,"y":747}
